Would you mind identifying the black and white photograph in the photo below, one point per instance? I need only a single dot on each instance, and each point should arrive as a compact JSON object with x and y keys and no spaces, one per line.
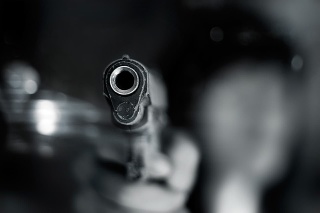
{"x":159,"y":106}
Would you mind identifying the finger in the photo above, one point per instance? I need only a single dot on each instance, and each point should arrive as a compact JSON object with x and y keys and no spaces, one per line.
{"x":159,"y":166}
{"x":184,"y":156}
{"x":141,"y":196}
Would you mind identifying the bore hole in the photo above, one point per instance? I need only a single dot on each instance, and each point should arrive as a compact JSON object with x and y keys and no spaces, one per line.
{"x":124,"y":80}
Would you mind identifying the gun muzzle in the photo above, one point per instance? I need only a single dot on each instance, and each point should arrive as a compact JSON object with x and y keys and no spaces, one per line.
{"x":125,"y":85}
{"x":124,"y":80}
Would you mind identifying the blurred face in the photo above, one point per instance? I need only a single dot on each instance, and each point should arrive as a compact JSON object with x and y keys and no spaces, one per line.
{"x":246,"y":119}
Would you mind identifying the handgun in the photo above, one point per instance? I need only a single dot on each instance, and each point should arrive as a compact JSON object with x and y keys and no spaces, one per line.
{"x":126,"y":88}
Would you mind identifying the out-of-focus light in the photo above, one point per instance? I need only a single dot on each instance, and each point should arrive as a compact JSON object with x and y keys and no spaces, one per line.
{"x":20,"y":75}
{"x":30,"y":86}
{"x":297,"y":63}
{"x":46,"y":115}
{"x":46,"y":110}
{"x":216,"y":34}
{"x":46,"y":127}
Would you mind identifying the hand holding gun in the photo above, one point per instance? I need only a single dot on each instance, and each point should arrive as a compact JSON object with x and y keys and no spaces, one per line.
{"x":159,"y":175}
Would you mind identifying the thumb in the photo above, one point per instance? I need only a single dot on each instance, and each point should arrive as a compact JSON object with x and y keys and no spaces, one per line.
{"x":184,"y":157}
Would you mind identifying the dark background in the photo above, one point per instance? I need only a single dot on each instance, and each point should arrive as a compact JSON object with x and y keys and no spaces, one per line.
{"x":70,"y":42}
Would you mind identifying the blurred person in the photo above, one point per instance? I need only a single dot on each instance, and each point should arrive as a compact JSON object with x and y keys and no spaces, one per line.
{"x":241,"y":92}
{"x":234,"y":96}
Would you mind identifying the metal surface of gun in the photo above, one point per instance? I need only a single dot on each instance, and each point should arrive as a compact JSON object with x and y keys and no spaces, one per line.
{"x":126,"y":88}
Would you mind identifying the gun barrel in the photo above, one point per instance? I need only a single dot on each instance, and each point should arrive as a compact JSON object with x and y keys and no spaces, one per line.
{"x":126,"y":89}
{"x":125,"y":86}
